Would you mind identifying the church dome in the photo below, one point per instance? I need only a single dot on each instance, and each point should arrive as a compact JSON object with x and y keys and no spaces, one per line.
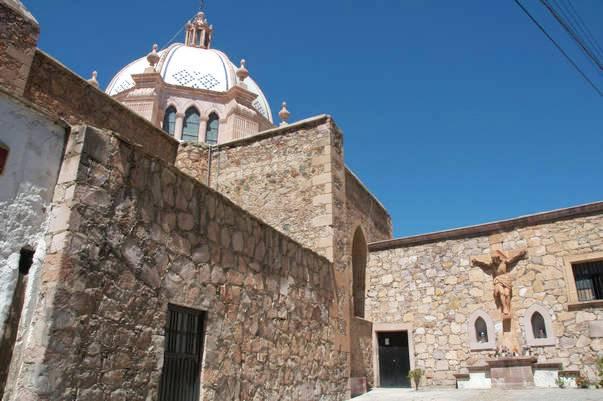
{"x":193,"y":67}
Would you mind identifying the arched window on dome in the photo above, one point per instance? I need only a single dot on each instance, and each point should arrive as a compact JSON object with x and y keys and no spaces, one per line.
{"x":538,"y":325}
{"x":481,"y":330}
{"x":190,"y":128}
{"x":211,"y":133}
{"x":169,"y":120}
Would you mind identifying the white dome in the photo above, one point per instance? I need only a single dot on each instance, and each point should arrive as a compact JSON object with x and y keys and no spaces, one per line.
{"x":192,"y":67}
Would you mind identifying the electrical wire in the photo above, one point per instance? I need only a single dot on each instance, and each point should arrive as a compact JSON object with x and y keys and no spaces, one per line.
{"x":573,"y":34}
{"x":587,"y":32}
{"x":559,"y":48}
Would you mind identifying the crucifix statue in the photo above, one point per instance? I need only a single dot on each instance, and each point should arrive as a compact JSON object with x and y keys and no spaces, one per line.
{"x":499,"y":265}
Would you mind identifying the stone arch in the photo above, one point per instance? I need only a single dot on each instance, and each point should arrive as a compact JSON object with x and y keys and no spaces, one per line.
{"x":480,"y":321}
{"x":359,"y":259}
{"x":538,"y":314}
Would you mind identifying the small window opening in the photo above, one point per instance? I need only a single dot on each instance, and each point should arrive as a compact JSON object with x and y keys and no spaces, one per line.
{"x":589,"y":280}
{"x":3,"y":156}
{"x":26,"y":259}
{"x":169,"y":120}
{"x":190,"y":128}
{"x":211,"y":132}
{"x":481,"y":330}
{"x":180,"y":377}
{"x":538,"y":326}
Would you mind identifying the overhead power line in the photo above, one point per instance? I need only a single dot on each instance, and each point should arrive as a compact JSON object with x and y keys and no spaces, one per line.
{"x":582,"y":25}
{"x":574,"y":35}
{"x":559,"y":48}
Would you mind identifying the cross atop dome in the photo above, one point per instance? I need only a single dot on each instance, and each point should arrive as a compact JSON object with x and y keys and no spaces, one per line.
{"x":199,"y":32}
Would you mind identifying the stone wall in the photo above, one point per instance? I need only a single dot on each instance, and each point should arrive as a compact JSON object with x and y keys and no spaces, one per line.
{"x":428,"y":283}
{"x":364,"y":210}
{"x":361,"y":347}
{"x":19,"y":33}
{"x":283,"y":176}
{"x":61,"y":93}
{"x":35,"y":146}
{"x":132,"y":234}
{"x":193,"y":159}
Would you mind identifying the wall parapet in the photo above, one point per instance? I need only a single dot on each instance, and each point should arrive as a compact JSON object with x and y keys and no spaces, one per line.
{"x":489,"y":228}
{"x":64,"y":95}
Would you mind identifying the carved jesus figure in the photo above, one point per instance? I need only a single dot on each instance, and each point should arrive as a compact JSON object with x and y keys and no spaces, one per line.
{"x":499,"y":266}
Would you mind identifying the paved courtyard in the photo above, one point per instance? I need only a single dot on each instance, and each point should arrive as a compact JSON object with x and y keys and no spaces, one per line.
{"x":482,"y":395}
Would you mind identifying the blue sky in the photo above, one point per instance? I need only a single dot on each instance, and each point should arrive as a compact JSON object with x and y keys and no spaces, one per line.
{"x":453,"y":113}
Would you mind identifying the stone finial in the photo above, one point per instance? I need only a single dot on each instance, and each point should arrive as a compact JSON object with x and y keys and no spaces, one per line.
{"x":153,"y":56}
{"x":93,"y":81}
{"x":242,"y":72}
{"x":284,"y":114}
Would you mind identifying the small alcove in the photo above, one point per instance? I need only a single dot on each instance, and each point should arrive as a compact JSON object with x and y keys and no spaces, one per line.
{"x":538,"y":326}
{"x":480,"y":328}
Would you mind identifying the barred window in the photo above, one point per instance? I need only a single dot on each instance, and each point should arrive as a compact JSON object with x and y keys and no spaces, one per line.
{"x":180,"y":377}
{"x":589,"y":280}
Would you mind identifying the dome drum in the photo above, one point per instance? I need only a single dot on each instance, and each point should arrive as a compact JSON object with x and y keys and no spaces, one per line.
{"x":193,"y":75}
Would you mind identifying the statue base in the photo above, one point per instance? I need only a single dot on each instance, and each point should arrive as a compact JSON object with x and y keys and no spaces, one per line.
{"x":512,"y":372}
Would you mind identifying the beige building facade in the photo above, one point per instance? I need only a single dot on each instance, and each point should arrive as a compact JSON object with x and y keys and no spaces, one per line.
{"x":185,"y":247}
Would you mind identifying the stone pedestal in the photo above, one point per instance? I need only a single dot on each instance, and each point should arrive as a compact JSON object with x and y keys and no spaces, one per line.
{"x":512,"y":372}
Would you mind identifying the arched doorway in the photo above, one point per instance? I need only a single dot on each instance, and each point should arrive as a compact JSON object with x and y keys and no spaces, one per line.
{"x":359,"y":254}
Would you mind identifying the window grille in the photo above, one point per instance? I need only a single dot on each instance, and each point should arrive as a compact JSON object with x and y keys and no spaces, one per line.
{"x":589,"y":280}
{"x":180,"y":377}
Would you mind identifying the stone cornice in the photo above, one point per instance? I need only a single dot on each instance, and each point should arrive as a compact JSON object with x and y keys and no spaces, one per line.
{"x":302,"y":124}
{"x":489,"y":228}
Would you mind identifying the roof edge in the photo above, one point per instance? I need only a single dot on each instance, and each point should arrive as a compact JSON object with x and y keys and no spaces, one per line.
{"x":372,"y":195}
{"x":491,"y":227}
{"x":285,"y":129}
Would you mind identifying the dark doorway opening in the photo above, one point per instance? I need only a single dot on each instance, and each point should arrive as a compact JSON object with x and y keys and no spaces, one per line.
{"x":394,"y":361}
{"x":184,"y":333}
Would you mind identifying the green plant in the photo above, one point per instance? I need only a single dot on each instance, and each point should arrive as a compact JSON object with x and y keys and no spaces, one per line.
{"x":415,"y":375}
{"x":560,"y":381}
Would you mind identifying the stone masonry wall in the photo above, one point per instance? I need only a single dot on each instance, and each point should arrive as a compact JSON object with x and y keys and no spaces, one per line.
{"x":19,"y":33}
{"x":292,"y":177}
{"x":132,"y":234}
{"x":365,"y":211}
{"x":362,"y":210}
{"x":433,"y":288}
{"x":61,"y":93}
{"x":193,"y":159}
{"x":283,"y":177}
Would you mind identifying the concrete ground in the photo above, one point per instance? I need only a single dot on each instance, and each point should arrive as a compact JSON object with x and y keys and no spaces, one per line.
{"x":482,"y":395}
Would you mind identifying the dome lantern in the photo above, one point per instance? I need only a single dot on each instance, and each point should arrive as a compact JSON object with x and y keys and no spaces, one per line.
{"x":199,"y":32}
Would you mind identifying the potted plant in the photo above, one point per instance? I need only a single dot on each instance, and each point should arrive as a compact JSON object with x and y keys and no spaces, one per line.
{"x":415,"y":375}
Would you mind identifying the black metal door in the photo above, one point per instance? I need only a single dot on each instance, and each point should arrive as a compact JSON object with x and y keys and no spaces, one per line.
{"x":394,"y":362}
{"x":182,"y":357}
